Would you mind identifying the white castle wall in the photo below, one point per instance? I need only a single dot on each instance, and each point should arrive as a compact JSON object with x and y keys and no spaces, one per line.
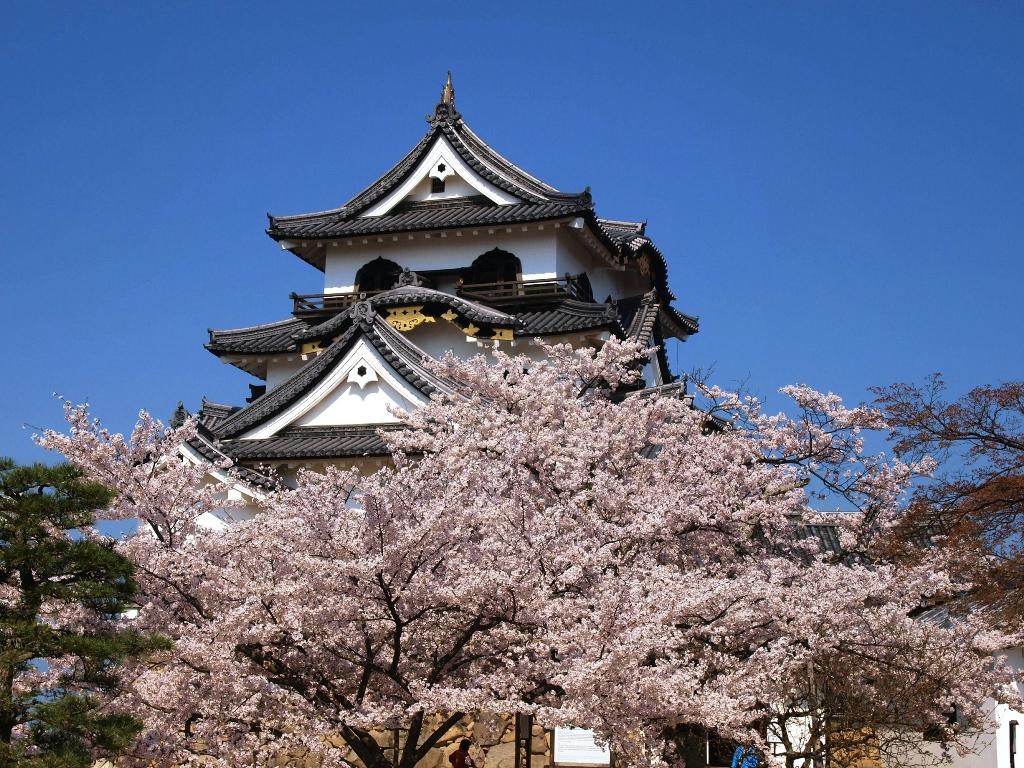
{"x":435,"y":339}
{"x":544,"y":250}
{"x":535,"y":250}
{"x":991,"y":748}
{"x":454,"y":187}
{"x":439,"y":337}
{"x":351,"y":404}
{"x":279,"y":371}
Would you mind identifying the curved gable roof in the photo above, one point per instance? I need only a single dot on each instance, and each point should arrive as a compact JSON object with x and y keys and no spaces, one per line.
{"x":402,"y":355}
{"x":484,"y":160}
{"x":414,"y":295}
{"x":266,"y":338}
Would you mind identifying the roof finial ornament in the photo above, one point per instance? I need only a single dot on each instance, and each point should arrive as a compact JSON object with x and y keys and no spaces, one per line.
{"x":364,"y":311}
{"x":179,"y":417}
{"x":409,"y":278}
{"x":448,"y":92}
{"x":445,"y":109}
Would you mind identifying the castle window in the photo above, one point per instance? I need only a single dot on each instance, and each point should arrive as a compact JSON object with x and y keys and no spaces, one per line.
{"x":495,"y":266}
{"x":377,"y":275}
{"x":436,"y":185}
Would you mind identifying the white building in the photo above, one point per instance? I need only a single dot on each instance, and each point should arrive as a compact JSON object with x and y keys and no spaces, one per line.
{"x":453,"y":248}
{"x":1000,"y":747}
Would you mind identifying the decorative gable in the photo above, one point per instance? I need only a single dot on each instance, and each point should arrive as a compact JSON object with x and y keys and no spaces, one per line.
{"x":361,"y":388}
{"x":441,"y":175}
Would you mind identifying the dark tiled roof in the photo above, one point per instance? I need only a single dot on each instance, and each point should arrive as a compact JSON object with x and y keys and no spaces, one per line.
{"x":826,"y":535}
{"x":480,"y":149}
{"x":676,"y":389}
{"x":565,"y":316}
{"x":641,"y":315}
{"x":310,"y":443}
{"x":623,"y":232}
{"x":626,"y":240}
{"x":569,"y":316}
{"x":467,"y":213}
{"x":640,"y":319}
{"x":418,"y":295}
{"x":483,"y":159}
{"x":411,"y":294}
{"x":406,"y":359}
{"x":938,"y":615}
{"x":627,"y":308}
{"x":204,"y":445}
{"x":644,"y":318}
{"x":678,"y":324}
{"x":256,"y":339}
{"x":539,"y":201}
{"x":632,"y":243}
{"x":212,"y":414}
{"x":381,"y":186}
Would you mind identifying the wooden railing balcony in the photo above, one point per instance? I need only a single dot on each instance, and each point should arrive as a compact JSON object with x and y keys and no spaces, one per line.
{"x":323,"y":305}
{"x":314,"y":305}
{"x":514,"y":291}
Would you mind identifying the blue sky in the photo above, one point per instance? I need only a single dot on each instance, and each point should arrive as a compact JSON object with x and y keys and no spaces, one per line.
{"x":838,"y":187}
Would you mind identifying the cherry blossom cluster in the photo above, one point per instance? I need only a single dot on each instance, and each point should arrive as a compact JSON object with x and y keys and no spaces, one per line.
{"x":551,"y":541}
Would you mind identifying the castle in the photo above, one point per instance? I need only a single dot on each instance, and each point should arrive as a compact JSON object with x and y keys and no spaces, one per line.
{"x":454,"y":248}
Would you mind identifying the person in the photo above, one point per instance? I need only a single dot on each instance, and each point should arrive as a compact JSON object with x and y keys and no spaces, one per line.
{"x":744,"y":758}
{"x":460,"y":758}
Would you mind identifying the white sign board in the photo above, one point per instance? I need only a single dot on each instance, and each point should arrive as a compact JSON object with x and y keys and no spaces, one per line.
{"x":575,"y":746}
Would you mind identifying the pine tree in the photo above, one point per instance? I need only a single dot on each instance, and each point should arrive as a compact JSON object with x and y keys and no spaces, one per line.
{"x":63,"y":591}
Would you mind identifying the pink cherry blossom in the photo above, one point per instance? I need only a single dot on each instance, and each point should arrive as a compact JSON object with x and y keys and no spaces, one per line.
{"x":554,"y":543}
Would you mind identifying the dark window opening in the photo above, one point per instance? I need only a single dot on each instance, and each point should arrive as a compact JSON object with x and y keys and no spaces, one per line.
{"x":580,"y":287}
{"x":937,"y":733}
{"x":377,"y":275}
{"x":495,"y":266}
{"x":720,"y":751}
{"x":1013,"y":744}
{"x":691,"y":744}
{"x":361,"y":371}
{"x":436,"y":185}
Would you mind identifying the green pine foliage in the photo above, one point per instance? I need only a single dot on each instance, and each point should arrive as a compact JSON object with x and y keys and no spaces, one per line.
{"x":50,"y":571}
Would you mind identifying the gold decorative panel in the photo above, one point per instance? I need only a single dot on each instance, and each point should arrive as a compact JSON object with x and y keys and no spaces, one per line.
{"x":406,"y":318}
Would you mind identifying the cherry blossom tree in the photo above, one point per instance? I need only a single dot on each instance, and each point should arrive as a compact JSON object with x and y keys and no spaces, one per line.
{"x":551,"y":541}
{"x":975,"y":504}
